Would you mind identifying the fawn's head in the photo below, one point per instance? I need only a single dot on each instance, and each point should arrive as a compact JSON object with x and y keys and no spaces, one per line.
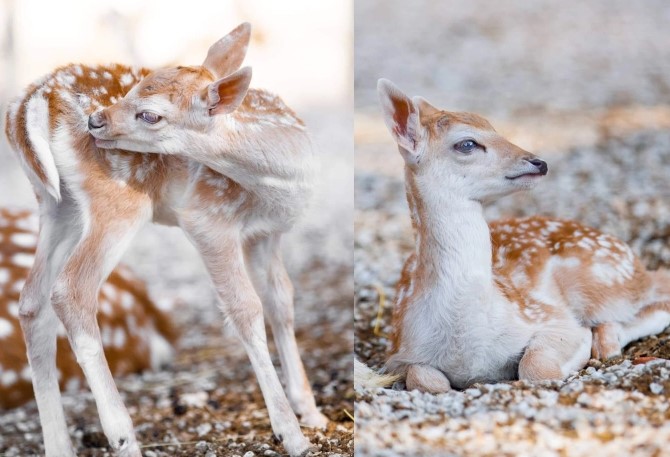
{"x":154,"y":114}
{"x":457,"y":153}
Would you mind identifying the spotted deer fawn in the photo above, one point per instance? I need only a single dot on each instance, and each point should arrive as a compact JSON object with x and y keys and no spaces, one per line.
{"x":232,"y":166}
{"x":136,"y":334}
{"x":525,"y":298}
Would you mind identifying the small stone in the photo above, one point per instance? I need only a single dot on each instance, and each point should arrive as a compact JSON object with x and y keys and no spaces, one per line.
{"x":655,"y":388}
{"x":249,"y":454}
{"x":474,"y":393}
{"x":204,"y":429}
{"x":201,"y":445}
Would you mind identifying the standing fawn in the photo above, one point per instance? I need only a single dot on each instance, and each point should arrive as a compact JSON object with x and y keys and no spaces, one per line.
{"x":232,"y":166}
{"x":136,"y":335}
{"x":530,"y":298}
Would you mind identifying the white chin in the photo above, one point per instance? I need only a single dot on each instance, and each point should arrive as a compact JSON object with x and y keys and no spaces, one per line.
{"x":105,"y":144}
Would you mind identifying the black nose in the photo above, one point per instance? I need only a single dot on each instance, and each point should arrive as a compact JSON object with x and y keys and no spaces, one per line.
{"x":540,"y":164}
{"x":95,"y":121}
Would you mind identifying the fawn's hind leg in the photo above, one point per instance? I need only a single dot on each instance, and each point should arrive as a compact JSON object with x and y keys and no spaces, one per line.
{"x":75,"y":299}
{"x":39,"y":322}
{"x":223,"y":254}
{"x":611,"y":337}
{"x":555,"y":353}
{"x":426,"y":379}
{"x":271,"y":280}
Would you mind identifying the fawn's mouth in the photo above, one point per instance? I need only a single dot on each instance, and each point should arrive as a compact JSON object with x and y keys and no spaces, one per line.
{"x":525,"y":175}
{"x":104,"y":144}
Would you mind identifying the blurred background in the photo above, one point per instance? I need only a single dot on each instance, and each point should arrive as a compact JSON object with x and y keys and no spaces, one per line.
{"x":585,"y":86}
{"x":301,"y":50}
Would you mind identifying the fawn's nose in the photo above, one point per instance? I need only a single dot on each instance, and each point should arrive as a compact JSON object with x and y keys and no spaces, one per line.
{"x":96,"y":120}
{"x":541,"y":165}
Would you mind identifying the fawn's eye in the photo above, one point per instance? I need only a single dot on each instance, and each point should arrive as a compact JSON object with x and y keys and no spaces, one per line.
{"x":149,"y":117}
{"x":466,"y":146}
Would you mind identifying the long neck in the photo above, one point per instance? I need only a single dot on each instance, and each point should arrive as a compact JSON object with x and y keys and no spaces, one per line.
{"x":453,"y":241}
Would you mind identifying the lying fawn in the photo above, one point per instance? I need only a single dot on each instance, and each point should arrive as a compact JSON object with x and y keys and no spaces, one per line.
{"x":529,"y":298}
{"x":231,"y":166}
{"x":136,"y":335}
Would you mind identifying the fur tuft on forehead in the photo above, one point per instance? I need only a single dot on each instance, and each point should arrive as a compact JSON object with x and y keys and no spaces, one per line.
{"x":175,"y":81}
{"x":445,"y":119}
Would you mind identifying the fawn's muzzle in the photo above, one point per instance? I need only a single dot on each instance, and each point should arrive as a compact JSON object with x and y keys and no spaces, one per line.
{"x":96,"y":120}
{"x":541,"y":165}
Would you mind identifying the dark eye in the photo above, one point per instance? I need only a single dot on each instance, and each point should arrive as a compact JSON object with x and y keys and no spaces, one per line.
{"x":466,"y":146}
{"x":149,"y":117}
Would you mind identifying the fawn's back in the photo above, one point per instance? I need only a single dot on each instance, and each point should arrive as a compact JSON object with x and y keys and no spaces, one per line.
{"x":47,"y":127}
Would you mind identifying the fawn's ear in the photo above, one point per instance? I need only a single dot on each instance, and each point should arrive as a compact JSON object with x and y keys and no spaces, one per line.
{"x":226,"y":94}
{"x":426,"y":110}
{"x":402,"y":119}
{"x":226,"y":55}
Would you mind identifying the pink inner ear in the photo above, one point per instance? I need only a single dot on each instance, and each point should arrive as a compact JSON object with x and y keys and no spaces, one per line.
{"x":401,"y":110}
{"x":226,"y":94}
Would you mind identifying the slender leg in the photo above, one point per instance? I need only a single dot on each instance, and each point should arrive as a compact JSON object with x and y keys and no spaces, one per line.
{"x":40,"y":324}
{"x":74,"y":299}
{"x":274,"y":286}
{"x":555,"y":353}
{"x":224,"y":257}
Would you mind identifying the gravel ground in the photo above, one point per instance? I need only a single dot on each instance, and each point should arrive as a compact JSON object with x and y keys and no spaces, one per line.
{"x":208,"y":403}
{"x":554,"y":79}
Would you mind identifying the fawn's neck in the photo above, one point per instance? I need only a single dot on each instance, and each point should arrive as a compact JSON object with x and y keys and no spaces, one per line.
{"x":453,"y":241}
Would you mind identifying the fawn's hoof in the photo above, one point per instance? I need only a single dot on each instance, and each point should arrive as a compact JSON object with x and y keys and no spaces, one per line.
{"x":314,"y":420}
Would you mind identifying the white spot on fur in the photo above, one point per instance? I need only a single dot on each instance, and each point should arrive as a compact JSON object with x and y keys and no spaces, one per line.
{"x":4,"y":275}
{"x":126,"y":79}
{"x":8,"y":378}
{"x":6,"y":328}
{"x":107,"y":75}
{"x":25,"y":240}
{"x":119,"y":337}
{"x":127,"y":300}
{"x":27,"y":373}
{"x":24,"y":260}
{"x":13,"y":309}
{"x":72,"y":385}
{"x":18,"y":285}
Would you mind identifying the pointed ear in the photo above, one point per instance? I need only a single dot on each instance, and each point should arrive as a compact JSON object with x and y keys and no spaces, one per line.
{"x":226,"y":55}
{"x":401,"y":117}
{"x":226,"y":94}
{"x":426,"y":110}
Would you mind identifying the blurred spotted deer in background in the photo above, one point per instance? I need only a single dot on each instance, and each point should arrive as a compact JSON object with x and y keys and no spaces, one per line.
{"x":232,"y":166}
{"x":136,"y":334}
{"x":525,"y":298}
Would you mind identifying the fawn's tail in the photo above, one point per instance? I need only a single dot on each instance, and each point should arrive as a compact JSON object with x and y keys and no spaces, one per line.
{"x":27,"y":129}
{"x":367,"y":378}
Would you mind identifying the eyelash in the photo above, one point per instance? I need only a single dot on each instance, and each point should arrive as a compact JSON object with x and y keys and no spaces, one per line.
{"x":142,"y":117}
{"x":460,"y":146}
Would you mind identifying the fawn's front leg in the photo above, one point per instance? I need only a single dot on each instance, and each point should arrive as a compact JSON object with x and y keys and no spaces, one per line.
{"x":223,"y":255}
{"x":271,"y":280}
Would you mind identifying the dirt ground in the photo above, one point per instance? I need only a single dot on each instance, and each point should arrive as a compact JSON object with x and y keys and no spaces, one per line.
{"x":585,"y":87}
